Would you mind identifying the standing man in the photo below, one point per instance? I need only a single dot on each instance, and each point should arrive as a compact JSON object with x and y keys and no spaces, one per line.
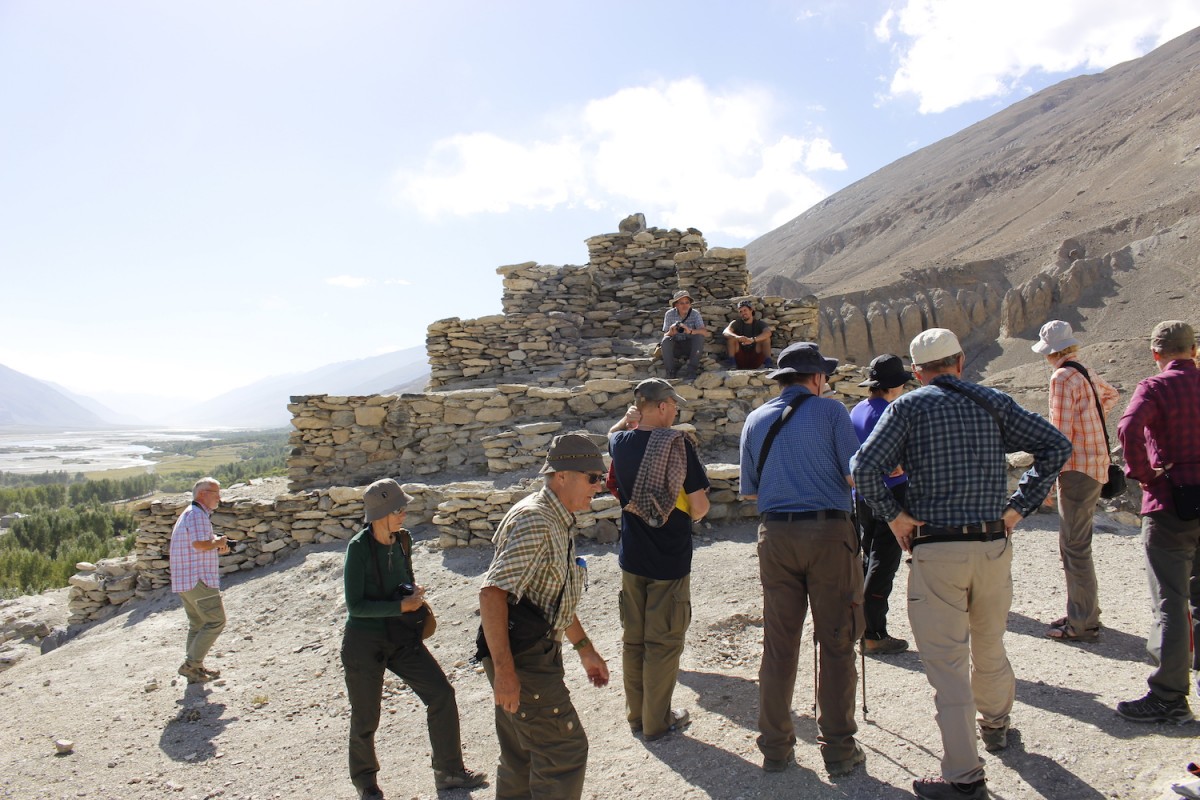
{"x":1076,"y":400}
{"x":683,"y":335}
{"x":1160,"y":433}
{"x":747,"y":340}
{"x":196,"y":577}
{"x":881,"y":551}
{"x":543,"y":749}
{"x":952,"y":437}
{"x":663,"y":489}
{"x":807,"y":553}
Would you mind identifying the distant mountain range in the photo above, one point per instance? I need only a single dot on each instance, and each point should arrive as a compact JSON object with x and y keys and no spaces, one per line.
{"x":29,"y":403}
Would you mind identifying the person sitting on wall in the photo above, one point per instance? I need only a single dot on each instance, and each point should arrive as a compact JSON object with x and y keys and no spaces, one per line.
{"x":683,"y":335}
{"x":747,"y":340}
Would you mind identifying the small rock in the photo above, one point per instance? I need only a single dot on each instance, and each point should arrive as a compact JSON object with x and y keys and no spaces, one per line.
{"x":64,"y":746}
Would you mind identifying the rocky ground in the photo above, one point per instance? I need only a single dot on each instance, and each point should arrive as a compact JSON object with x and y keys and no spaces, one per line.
{"x":274,"y":725}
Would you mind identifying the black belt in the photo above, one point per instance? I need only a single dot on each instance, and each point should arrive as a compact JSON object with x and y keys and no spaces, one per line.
{"x":982,"y":532}
{"x":797,"y":516}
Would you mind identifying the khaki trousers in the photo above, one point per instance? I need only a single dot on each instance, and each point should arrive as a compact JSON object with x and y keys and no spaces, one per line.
{"x":1077,"y":496}
{"x":959,"y":594}
{"x":802,"y":563}
{"x":206,"y":620}
{"x":654,"y":617}
{"x":543,"y":749}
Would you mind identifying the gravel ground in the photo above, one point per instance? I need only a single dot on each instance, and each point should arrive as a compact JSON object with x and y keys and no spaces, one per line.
{"x":274,"y":725}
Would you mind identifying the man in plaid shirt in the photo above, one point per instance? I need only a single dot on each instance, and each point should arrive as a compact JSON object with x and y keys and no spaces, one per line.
{"x":196,"y":577}
{"x":543,"y":749}
{"x":1073,"y":402}
{"x":1160,"y":433}
{"x":951,"y":437}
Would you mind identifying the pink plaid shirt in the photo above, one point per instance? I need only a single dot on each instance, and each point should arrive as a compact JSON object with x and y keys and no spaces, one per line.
{"x":1073,"y":411}
{"x":189,"y":565}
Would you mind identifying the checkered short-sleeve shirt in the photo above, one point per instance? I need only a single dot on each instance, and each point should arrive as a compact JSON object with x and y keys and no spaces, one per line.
{"x":189,"y":565}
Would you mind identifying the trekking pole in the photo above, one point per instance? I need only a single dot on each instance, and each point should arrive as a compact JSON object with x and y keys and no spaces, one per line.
{"x":862,"y":649}
{"x":815,"y":672}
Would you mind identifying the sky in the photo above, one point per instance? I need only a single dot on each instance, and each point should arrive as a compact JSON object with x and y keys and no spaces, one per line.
{"x":198,"y":194}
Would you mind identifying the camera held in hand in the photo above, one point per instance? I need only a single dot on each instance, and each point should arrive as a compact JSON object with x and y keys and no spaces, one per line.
{"x":404,"y":590}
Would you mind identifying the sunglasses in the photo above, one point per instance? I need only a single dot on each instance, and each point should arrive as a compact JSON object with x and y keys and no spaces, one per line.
{"x":595,"y":477}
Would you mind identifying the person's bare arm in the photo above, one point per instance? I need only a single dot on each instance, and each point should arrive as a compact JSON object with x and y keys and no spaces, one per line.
{"x":698,"y":502}
{"x":593,"y":664}
{"x":493,"y":613}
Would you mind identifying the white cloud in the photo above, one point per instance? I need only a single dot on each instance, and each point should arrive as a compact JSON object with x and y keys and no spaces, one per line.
{"x":951,"y":52}
{"x":680,"y":151}
{"x":348,"y":281}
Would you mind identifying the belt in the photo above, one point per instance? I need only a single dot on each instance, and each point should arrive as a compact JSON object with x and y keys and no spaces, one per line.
{"x":982,"y":532}
{"x":797,"y":516}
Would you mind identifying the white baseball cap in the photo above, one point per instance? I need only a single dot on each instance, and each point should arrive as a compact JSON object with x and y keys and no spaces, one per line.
{"x":933,"y":345}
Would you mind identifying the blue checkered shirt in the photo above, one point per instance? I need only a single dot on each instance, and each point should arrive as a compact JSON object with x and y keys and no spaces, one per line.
{"x":954,"y":456}
{"x":809,"y":460}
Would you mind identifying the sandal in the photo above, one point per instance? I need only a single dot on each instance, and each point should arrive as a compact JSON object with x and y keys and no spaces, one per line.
{"x":1068,"y":634}
{"x":1061,"y":622}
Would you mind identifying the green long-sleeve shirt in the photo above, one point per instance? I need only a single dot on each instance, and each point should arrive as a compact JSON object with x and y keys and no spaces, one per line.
{"x":361,"y":579}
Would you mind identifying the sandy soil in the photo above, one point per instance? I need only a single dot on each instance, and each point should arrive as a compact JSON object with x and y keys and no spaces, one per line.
{"x":275,"y":725}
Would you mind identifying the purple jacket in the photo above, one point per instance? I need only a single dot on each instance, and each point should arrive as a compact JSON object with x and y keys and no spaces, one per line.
{"x":1161,"y":426}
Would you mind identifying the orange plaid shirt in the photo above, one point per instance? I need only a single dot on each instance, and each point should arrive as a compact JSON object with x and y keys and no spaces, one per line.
{"x":1073,"y":411}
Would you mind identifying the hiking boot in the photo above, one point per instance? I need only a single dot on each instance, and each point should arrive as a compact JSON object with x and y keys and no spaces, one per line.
{"x":212,"y":673}
{"x":779,"y":764}
{"x":1151,"y":708}
{"x":729,"y":363}
{"x":994,"y":739}
{"x":370,"y":793}
{"x":461,"y":778}
{"x":837,"y":769}
{"x":680,"y":719}
{"x":941,"y":789}
{"x":887,"y":646}
{"x":193,"y":674}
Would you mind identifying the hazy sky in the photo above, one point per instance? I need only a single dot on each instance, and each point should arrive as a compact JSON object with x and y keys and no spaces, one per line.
{"x":198,"y":194}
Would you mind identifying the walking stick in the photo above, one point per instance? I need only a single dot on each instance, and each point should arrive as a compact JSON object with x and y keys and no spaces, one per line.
{"x":815,"y":672}
{"x":862,"y":649}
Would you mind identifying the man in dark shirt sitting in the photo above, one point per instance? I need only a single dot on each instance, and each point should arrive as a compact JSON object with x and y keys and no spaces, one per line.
{"x":747,"y":340}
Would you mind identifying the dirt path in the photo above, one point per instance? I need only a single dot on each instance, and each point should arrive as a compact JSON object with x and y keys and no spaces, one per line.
{"x":275,"y":725}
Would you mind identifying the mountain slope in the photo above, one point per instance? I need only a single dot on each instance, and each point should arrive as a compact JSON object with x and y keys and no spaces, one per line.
{"x":264,"y":403}
{"x":28,"y":402}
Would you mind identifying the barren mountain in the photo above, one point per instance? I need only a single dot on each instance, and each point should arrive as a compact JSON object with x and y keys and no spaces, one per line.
{"x":1080,"y":202}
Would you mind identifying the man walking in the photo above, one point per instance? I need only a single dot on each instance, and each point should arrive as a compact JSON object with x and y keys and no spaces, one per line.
{"x":543,"y":749}
{"x":952,"y":437}
{"x":881,"y":551}
{"x":663,"y":489}
{"x":196,"y":577}
{"x":799,"y":471}
{"x":1160,"y":433}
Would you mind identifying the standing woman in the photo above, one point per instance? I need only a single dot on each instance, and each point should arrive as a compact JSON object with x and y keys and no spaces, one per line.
{"x":1073,"y":400}
{"x":387,"y":614}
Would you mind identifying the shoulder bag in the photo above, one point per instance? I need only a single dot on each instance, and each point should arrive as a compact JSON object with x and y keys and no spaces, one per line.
{"x":1115,"y":485}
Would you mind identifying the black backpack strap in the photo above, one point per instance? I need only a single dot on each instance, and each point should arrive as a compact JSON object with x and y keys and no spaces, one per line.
{"x":1075,"y":365}
{"x":979,"y":401}
{"x":774,"y":431}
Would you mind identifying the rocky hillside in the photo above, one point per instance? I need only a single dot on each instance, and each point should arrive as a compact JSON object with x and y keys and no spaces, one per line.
{"x":1080,"y":202}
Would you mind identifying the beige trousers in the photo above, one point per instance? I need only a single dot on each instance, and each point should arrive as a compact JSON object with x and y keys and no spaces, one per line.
{"x":959,"y":594}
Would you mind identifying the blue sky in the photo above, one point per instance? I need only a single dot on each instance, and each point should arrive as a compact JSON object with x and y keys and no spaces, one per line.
{"x":255,"y":188}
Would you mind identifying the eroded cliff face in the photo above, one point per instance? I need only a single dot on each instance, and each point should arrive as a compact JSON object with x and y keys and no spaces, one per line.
{"x":976,"y":301}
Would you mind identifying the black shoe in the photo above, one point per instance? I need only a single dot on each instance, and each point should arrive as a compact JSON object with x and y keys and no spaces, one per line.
{"x":370,"y":793}
{"x":941,"y":789}
{"x":1152,"y":708}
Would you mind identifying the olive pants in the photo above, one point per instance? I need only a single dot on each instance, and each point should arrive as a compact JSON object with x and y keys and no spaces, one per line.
{"x":543,"y":749}
{"x":654,"y":617}
{"x":365,"y":655}
{"x":206,"y":620}
{"x":1077,"y":496}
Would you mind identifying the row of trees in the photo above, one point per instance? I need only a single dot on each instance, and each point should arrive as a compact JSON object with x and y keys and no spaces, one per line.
{"x":41,"y":550}
{"x":45,"y":497}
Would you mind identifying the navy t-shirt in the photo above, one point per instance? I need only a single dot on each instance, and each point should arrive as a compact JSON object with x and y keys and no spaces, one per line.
{"x":665,"y":553}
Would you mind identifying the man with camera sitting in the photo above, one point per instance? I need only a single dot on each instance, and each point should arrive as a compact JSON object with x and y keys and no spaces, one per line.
{"x":683,"y":335}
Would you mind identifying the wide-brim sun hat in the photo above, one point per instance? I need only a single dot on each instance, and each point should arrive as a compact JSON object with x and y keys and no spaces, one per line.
{"x":573,"y":452}
{"x":803,"y":358}
{"x":887,"y":372}
{"x":1054,"y":337}
{"x":383,"y":497}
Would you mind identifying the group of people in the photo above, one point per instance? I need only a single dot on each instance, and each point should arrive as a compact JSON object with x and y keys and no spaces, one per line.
{"x":923,"y":472}
{"x":747,"y":338}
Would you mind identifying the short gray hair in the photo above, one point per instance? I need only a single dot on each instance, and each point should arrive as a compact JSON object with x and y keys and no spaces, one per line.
{"x":203,"y":484}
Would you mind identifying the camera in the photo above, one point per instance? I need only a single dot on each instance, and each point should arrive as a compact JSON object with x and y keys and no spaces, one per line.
{"x":404,"y":590}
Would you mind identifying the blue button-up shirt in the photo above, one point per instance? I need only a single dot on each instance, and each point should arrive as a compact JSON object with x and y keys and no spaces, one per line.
{"x":954,"y":455}
{"x":809,"y":460}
